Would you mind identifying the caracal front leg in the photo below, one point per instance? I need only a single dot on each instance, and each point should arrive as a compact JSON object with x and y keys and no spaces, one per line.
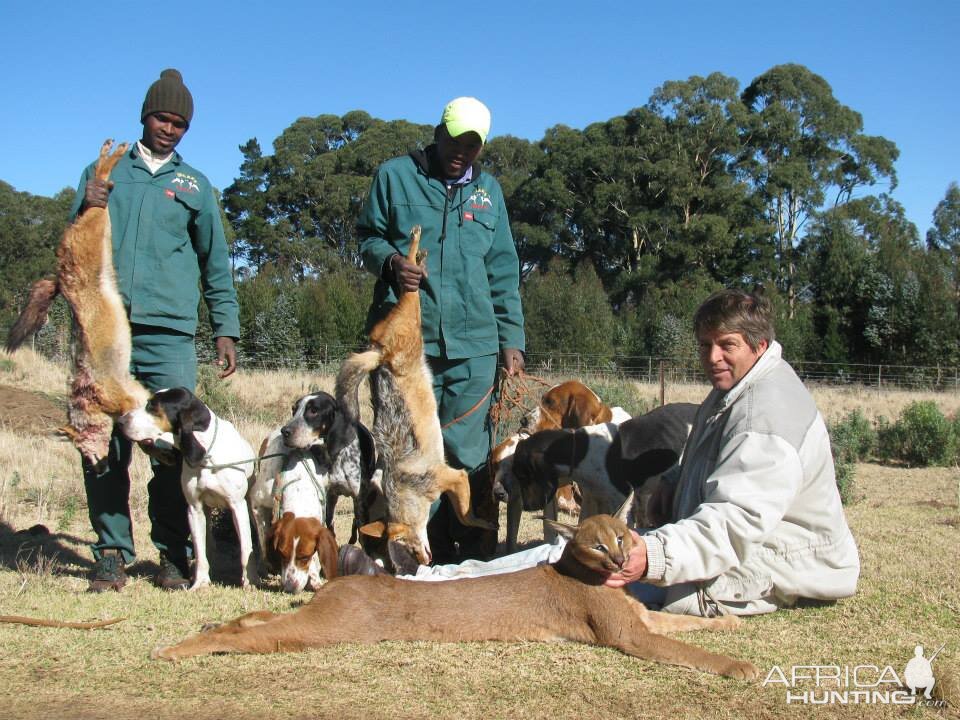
{"x":662,"y":622}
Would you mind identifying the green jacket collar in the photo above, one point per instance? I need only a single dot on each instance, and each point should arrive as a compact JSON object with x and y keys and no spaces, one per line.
{"x":427,"y":163}
{"x":134,"y":154}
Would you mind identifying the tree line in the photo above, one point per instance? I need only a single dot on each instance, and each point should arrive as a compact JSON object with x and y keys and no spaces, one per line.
{"x":622,"y":228}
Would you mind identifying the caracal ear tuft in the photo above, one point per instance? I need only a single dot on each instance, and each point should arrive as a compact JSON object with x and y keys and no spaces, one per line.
{"x":567,"y":531}
{"x":624,"y":510}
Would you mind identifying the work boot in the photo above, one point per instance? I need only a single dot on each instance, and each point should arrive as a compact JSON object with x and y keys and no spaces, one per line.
{"x":108,"y":573}
{"x":170,"y":575}
{"x":351,"y":560}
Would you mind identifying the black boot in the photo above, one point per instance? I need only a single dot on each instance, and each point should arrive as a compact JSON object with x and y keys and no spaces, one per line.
{"x":108,"y":572}
{"x":351,"y":560}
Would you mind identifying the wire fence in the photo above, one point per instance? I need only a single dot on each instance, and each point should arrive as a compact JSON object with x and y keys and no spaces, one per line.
{"x":651,"y":369}
{"x":665,"y":371}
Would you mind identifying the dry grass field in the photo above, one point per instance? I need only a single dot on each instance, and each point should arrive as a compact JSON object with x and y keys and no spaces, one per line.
{"x":906,"y":522}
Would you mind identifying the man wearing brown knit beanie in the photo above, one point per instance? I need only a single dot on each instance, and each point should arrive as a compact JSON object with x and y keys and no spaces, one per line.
{"x":168,"y":243}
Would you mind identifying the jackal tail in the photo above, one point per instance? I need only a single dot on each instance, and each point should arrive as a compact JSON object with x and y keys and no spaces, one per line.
{"x":34,"y":315}
{"x":355,"y":368}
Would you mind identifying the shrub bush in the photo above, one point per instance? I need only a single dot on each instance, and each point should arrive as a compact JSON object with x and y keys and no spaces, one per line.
{"x":215,"y":393}
{"x":618,"y":392}
{"x":852,"y":440}
{"x":846,"y":479}
{"x":922,"y":436}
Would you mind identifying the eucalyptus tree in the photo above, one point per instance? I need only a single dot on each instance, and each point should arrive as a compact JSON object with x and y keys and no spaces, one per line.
{"x":297,"y":208}
{"x":518,"y":165}
{"x":802,"y":150}
{"x":943,"y":239}
{"x":30,"y":230}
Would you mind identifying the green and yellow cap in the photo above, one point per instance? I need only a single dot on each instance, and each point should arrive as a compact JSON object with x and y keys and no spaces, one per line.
{"x":466,"y":114}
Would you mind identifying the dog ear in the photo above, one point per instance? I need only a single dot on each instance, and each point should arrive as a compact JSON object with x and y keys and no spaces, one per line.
{"x":340,"y":433}
{"x":193,"y":452}
{"x":326,"y":545}
{"x":572,"y":415}
{"x":277,"y":538}
{"x":194,"y":415}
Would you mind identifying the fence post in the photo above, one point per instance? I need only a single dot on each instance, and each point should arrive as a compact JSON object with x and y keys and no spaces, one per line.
{"x":663,"y":390}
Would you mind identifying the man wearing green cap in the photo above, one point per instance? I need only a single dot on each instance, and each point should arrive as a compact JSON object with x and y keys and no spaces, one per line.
{"x":168,"y":243}
{"x":470,"y":287}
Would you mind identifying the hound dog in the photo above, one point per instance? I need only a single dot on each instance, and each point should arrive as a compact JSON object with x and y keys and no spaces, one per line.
{"x":308,"y":464}
{"x":607,"y":460}
{"x":217,"y":465}
{"x":570,"y":404}
{"x":305,"y":546}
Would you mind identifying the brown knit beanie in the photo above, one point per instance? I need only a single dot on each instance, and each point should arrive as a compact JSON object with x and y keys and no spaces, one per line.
{"x":168,"y":94}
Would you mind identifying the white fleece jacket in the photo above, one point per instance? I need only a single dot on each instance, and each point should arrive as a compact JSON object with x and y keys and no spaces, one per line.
{"x":757,"y":514}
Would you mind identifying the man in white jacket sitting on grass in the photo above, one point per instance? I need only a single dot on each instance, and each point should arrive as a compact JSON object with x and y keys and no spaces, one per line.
{"x":755,"y":516}
{"x":752,"y":519}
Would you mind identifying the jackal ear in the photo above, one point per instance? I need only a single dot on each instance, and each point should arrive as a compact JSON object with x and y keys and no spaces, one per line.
{"x":567,"y":531}
{"x":379,"y":529}
{"x":624,"y":512}
{"x":376,"y":529}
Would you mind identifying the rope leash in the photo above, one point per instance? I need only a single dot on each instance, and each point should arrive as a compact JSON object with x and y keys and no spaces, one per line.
{"x":469,"y":412}
{"x":514,"y":395}
{"x":513,"y":398}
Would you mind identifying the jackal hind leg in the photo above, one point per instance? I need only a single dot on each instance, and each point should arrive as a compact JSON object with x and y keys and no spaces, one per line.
{"x":107,"y":160}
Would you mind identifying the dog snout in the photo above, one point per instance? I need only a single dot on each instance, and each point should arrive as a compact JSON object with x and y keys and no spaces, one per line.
{"x":500,"y":493}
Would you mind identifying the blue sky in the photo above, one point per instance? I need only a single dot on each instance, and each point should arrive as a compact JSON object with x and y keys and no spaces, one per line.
{"x":76,"y":73}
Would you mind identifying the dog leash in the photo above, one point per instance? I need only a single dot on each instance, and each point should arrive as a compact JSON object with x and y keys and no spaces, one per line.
{"x":513,"y":395}
{"x":472,"y":410}
{"x":206,"y":453}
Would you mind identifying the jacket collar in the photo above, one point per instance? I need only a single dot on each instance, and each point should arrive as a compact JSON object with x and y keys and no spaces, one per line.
{"x":427,"y":163}
{"x":134,"y":154}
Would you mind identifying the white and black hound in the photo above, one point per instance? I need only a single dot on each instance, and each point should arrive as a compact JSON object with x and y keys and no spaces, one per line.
{"x":607,"y":461}
{"x":312,"y":460}
{"x":217,"y":465}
